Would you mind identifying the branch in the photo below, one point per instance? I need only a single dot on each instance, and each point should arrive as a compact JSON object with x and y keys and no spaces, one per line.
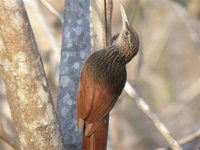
{"x":187,"y":21}
{"x":189,"y":138}
{"x":186,"y":97}
{"x":22,"y":72}
{"x":47,"y":43}
{"x":108,"y":4}
{"x":186,"y":139}
{"x":52,"y":10}
{"x":76,"y":46}
{"x":141,"y":4}
{"x":7,"y":138}
{"x":143,"y":106}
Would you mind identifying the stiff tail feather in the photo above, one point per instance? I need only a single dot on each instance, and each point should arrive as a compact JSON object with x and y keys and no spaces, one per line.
{"x":98,"y":140}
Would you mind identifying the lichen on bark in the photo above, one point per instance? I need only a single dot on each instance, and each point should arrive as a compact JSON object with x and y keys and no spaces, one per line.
{"x":75,"y":48}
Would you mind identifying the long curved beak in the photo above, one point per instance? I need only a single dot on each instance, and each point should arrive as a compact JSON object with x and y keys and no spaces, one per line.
{"x":124,"y":17}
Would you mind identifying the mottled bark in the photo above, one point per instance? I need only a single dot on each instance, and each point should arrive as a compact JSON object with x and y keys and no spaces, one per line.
{"x":23,"y":74}
{"x":78,"y":40}
{"x":46,"y":43}
{"x":75,"y":48}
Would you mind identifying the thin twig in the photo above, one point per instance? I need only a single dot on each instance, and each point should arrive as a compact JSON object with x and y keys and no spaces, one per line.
{"x":189,"y":138}
{"x":52,"y":10}
{"x":142,"y":31}
{"x":108,"y":19}
{"x":186,"y":97}
{"x":191,"y":91}
{"x":143,"y":106}
{"x":187,"y":21}
{"x":6,"y":137}
{"x":185,"y":140}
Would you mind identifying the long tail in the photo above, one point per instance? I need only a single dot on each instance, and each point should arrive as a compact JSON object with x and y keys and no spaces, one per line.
{"x":98,"y":140}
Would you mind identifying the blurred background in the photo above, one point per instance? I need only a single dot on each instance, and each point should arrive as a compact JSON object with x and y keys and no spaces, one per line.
{"x":166,"y":73}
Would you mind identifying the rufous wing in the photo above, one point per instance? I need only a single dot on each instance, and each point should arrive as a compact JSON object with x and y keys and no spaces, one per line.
{"x":94,"y":101}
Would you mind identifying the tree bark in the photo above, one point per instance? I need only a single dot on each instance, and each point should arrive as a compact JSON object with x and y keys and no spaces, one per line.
{"x":22,"y":71}
{"x":75,"y":48}
{"x":84,"y":31}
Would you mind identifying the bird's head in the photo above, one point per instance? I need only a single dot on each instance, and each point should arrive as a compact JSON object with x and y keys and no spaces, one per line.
{"x":128,"y":39}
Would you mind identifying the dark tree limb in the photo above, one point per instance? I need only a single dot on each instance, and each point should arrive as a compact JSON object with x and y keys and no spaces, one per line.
{"x":144,"y":107}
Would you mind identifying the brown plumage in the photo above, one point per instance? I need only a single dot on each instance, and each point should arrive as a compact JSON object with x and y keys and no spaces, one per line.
{"x":102,"y":80}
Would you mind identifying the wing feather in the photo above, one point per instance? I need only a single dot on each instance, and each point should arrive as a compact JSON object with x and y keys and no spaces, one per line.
{"x":94,"y":102}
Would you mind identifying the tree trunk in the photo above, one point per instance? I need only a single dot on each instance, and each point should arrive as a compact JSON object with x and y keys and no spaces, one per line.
{"x":84,"y":31}
{"x":22,"y":71}
{"x":75,"y":48}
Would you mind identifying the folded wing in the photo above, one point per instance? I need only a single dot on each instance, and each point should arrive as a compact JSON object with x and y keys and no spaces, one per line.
{"x":94,"y":102}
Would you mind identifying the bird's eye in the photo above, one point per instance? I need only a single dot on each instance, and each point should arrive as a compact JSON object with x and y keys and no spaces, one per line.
{"x":126,"y":33}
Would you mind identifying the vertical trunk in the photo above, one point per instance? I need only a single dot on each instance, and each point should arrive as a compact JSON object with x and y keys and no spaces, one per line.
{"x":22,"y":71}
{"x":75,"y":48}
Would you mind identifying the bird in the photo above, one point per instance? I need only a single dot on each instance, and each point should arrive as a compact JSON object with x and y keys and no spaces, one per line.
{"x":102,"y":79}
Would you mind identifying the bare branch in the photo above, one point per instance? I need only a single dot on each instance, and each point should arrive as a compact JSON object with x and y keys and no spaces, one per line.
{"x":52,"y":10}
{"x":187,"y":21}
{"x":189,"y":138}
{"x":192,"y":91}
{"x":141,"y":4}
{"x":143,"y":106}
{"x":7,"y":138}
{"x":186,"y":139}
{"x":45,"y":40}
{"x":186,"y":96}
{"x":108,"y":20}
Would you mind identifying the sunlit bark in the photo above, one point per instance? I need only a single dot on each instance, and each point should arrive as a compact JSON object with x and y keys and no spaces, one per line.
{"x":22,"y":71}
